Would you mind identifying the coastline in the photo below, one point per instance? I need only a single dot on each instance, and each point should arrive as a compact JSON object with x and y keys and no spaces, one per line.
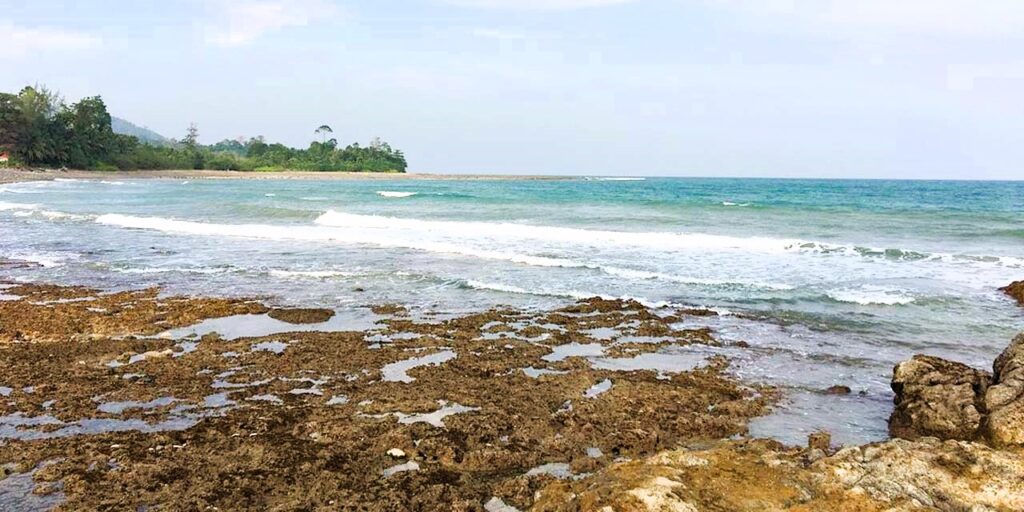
{"x":192,"y":402}
{"x":20,"y":175}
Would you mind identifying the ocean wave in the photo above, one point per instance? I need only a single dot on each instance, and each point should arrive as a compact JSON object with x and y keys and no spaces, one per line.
{"x":872,"y":296}
{"x":270,"y":194}
{"x":645,"y":275}
{"x":43,"y":258}
{"x":393,"y":194}
{"x":620,"y":178}
{"x":10,"y":190}
{"x":165,"y":270}
{"x":730,"y":203}
{"x":568,"y":294}
{"x":584,"y":237}
{"x":17,"y":206}
{"x":469,"y":238}
{"x":311,"y":274}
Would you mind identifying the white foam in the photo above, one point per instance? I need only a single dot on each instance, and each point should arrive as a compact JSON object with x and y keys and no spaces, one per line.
{"x":310,"y":274}
{"x":392,"y":194}
{"x":55,"y":215}
{"x":46,"y":259}
{"x":17,"y":206}
{"x":872,"y":296}
{"x":730,"y":203}
{"x":569,"y":294}
{"x":478,"y":239}
{"x":164,"y":270}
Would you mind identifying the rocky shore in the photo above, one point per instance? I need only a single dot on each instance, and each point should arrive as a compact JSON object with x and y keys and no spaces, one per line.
{"x":111,"y":401}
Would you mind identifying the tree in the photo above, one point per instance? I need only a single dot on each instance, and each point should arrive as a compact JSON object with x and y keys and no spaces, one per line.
{"x":322,"y":131}
{"x":88,"y":137}
{"x":42,"y":136}
{"x":12,"y":128}
{"x":191,"y":143}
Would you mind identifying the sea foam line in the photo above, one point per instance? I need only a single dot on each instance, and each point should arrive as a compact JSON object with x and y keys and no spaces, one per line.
{"x":569,"y":294}
{"x":384,"y":239}
{"x":393,"y":194}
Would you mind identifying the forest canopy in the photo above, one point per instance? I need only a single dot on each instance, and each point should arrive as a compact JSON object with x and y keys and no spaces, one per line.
{"x":37,"y":128}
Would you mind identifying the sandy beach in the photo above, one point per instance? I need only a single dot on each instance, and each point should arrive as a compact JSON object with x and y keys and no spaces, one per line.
{"x":10,"y":175}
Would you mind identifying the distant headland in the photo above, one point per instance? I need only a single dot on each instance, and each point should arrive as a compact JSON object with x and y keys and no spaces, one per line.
{"x":38,"y":129}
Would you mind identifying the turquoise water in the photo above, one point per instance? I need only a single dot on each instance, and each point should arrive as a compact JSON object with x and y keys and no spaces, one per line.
{"x":832,"y":282}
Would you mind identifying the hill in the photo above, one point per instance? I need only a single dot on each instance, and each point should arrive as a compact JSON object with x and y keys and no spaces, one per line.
{"x":146,"y":135}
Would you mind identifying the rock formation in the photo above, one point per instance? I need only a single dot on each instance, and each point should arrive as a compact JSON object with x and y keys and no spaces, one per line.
{"x":928,"y":474}
{"x":1015,"y":290}
{"x":1004,"y":400}
{"x":937,"y":398}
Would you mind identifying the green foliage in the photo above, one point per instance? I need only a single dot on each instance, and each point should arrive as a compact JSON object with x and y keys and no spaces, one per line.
{"x":38,"y":128}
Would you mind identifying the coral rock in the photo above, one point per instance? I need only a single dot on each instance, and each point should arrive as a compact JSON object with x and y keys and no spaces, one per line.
{"x":937,"y":398}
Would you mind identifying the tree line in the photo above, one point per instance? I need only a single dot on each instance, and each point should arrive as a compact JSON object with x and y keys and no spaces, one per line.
{"x":37,"y":128}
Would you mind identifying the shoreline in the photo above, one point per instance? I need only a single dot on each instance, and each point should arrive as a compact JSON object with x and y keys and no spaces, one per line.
{"x":230,"y":403}
{"x":23,"y":175}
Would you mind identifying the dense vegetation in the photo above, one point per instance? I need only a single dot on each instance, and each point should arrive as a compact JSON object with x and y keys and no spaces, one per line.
{"x":37,"y":128}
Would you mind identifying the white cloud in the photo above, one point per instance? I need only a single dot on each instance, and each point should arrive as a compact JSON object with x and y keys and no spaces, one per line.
{"x":507,"y":34}
{"x":988,"y":18}
{"x":22,"y":41}
{"x":240,"y":22}
{"x":535,"y":5}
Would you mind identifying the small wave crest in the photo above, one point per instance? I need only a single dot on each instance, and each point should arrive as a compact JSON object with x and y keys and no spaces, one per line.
{"x":730,"y":203}
{"x":872,"y":296}
{"x":310,"y":274}
{"x":17,"y":206}
{"x":394,"y":194}
{"x":568,"y":294}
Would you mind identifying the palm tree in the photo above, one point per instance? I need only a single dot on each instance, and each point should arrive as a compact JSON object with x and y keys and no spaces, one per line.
{"x":323,"y":130}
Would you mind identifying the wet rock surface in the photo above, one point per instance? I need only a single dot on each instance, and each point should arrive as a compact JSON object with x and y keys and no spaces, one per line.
{"x":1015,"y":290}
{"x":60,"y":313}
{"x":937,"y":398}
{"x":310,"y":420}
{"x":301,"y":315}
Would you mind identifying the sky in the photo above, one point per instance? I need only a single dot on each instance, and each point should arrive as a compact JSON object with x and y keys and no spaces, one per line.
{"x":781,"y":88}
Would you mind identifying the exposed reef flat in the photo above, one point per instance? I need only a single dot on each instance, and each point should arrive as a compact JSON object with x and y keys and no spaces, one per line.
{"x":110,"y":412}
{"x":113,"y":401}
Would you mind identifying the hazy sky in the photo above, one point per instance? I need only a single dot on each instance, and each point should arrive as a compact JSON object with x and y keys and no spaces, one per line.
{"x":824,"y":88}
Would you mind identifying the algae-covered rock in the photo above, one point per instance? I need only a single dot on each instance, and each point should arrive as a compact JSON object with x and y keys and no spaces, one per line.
{"x":301,"y":315}
{"x":937,"y":398}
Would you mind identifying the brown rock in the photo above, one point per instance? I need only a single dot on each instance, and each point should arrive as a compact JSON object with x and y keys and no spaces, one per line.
{"x":758,"y":475}
{"x":301,"y":315}
{"x":1015,"y":290}
{"x":838,"y":390}
{"x":937,"y":398}
{"x":1004,"y":400}
{"x":819,"y":441}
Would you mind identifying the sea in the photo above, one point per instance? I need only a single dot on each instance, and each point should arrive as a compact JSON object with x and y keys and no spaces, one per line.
{"x":830,"y":282}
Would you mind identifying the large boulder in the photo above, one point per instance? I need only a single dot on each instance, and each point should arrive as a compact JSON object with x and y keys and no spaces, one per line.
{"x":1015,"y":290}
{"x":1004,"y":400}
{"x":938,"y":398}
